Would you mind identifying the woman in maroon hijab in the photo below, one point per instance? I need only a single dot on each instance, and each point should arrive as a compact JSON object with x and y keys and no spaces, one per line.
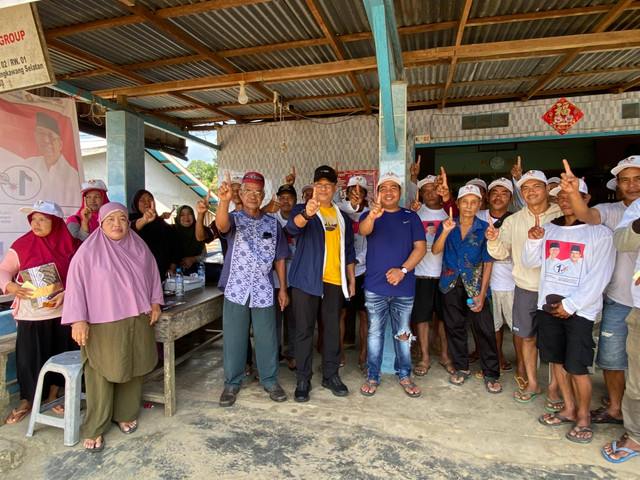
{"x":40,"y":335}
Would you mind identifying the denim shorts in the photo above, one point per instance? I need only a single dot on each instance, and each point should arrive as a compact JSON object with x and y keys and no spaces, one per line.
{"x":612,"y":351}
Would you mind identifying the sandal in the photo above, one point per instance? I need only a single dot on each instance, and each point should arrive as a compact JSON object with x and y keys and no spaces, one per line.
{"x":59,"y":409}
{"x":96,"y":449}
{"x":408,"y":389}
{"x":369,"y":384}
{"x":602,"y":416}
{"x":506,"y":367}
{"x":580,"y":429}
{"x":460,"y":375}
{"x":522,"y":383}
{"x":17,"y":415}
{"x":448,"y":366}
{"x":488,"y":383}
{"x":422,"y":368}
{"x":544,"y":419}
{"x":363,"y":368}
{"x":552,"y":406}
{"x":130,"y":430}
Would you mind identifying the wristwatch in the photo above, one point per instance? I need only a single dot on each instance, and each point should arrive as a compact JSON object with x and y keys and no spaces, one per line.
{"x":303,"y":212}
{"x":404,"y":270}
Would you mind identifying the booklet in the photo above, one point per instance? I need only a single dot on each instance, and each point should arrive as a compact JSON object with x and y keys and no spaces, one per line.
{"x":45,"y":282}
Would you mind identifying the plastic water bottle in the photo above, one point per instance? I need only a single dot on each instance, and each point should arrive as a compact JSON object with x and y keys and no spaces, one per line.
{"x":471,"y":303}
{"x":179,"y":278}
{"x":202,"y":272}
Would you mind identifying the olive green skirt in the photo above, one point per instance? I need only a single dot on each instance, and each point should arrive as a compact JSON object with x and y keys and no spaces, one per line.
{"x":121,"y":350}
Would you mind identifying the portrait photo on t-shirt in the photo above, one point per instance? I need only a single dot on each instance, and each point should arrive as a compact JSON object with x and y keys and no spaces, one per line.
{"x":563,"y":262}
{"x":430,"y":229}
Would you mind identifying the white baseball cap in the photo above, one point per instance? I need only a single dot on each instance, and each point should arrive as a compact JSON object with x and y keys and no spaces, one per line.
{"x":44,"y":206}
{"x":632,"y":161}
{"x":583,"y":189}
{"x":357,"y":179}
{"x":93,"y":185}
{"x":236,"y":180}
{"x":479,"y":182}
{"x":425,"y":180}
{"x":553,"y":180}
{"x":501,"y":182}
{"x":389,"y":177}
{"x":469,"y":190}
{"x":612,"y":184}
{"x":532,"y":175}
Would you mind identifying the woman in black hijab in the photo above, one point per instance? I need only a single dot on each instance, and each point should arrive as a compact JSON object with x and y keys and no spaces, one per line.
{"x":156,"y":233}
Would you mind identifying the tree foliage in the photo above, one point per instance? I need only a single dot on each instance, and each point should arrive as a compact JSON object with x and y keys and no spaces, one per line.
{"x":207,"y":173}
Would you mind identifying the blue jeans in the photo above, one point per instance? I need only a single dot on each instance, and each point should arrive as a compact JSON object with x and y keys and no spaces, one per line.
{"x":379,"y":308}
{"x":612,"y":344}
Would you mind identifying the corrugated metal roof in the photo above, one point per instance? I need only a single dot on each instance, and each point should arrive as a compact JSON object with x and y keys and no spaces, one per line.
{"x":280,"y":21}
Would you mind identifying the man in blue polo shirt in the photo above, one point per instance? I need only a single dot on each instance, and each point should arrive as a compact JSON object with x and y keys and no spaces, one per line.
{"x":395,"y":245}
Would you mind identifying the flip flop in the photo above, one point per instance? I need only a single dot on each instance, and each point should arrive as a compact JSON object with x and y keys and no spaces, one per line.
{"x":546,"y":423}
{"x":422,"y":368}
{"x":487,"y":381}
{"x":552,"y":406}
{"x":526,"y":400}
{"x":602,"y":416}
{"x":408,"y":387}
{"x":96,"y":449}
{"x":465,"y":376}
{"x":130,"y":430}
{"x":369,"y":384}
{"x":579,"y":429}
{"x":506,"y":367}
{"x":59,"y":409}
{"x":616,"y":449}
{"x":522,"y":383}
{"x":448,"y":366}
{"x":16,"y":416}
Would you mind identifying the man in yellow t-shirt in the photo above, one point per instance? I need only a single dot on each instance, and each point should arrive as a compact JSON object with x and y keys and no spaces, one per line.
{"x":322,"y":274}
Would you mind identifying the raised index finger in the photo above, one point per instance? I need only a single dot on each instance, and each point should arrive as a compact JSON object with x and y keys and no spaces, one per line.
{"x":293,"y":170}
{"x":208,"y":199}
{"x":537,"y":221}
{"x":153,"y":204}
{"x":418,"y":162}
{"x":567,"y":168}
{"x":444,"y":176}
{"x":451,"y":213}
{"x":227,"y":177}
{"x":519,"y":161}
{"x":417,"y":195}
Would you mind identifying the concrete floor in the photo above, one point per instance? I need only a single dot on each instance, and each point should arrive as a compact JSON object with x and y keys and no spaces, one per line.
{"x":450,"y":432}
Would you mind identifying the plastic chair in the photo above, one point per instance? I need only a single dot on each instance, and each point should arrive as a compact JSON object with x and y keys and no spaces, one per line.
{"x":69,"y":365}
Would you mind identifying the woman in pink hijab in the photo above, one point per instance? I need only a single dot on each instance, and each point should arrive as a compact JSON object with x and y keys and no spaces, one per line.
{"x":113,"y":297}
{"x":85,"y":221}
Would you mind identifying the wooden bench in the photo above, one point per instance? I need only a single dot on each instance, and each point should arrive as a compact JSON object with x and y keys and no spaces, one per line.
{"x":7,"y":346}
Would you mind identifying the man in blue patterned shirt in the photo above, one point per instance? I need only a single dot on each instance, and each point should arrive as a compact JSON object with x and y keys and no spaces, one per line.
{"x":466,"y":271}
{"x":256,"y":244}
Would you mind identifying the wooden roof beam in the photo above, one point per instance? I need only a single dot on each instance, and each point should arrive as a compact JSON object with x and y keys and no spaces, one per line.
{"x":614,"y":12}
{"x":463,"y":21}
{"x":322,"y":22}
{"x":474,"y":52}
{"x":184,"y":38}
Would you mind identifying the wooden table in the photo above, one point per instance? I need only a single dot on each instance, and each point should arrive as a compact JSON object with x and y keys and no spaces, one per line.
{"x":202,"y":306}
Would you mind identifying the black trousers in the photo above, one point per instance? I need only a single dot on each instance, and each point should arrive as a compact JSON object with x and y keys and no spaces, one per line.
{"x":456,"y":315}
{"x":36,"y":342}
{"x":305,"y":312}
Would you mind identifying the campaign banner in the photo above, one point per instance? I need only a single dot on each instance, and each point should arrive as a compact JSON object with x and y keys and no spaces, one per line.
{"x":40,"y":159}
{"x":563,"y":262}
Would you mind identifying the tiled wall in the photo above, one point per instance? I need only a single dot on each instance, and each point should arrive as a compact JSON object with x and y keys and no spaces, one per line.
{"x":352,"y":141}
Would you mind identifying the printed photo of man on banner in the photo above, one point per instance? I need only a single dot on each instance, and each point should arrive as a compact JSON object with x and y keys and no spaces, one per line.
{"x":40,"y":158}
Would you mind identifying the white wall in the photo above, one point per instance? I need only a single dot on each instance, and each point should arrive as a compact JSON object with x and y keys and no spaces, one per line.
{"x":167,"y":189}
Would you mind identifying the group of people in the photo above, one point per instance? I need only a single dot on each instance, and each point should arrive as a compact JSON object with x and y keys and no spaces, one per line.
{"x":527,"y":252}
{"x":95,"y":284}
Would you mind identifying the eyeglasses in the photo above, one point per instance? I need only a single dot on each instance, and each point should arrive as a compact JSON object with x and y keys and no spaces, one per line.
{"x":255,"y":193}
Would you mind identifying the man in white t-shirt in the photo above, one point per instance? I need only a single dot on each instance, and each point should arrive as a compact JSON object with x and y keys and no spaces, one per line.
{"x":428,"y":298}
{"x":502,"y":283}
{"x":612,"y":356}
{"x":627,"y":239}
{"x":567,"y":307}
